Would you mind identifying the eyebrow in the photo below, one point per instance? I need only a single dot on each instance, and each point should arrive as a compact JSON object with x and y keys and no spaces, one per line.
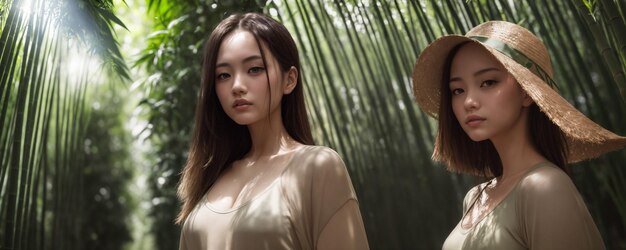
{"x":482,"y":71}
{"x":247,"y":59}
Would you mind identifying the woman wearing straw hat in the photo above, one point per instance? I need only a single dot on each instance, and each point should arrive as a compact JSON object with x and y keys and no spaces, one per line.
{"x":492,"y":91}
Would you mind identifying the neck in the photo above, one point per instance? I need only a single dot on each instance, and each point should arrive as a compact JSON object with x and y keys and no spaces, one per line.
{"x":269,"y":137}
{"x":516,"y":150}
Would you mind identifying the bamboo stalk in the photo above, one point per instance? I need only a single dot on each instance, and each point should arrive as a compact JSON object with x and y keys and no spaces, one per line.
{"x":609,"y":54}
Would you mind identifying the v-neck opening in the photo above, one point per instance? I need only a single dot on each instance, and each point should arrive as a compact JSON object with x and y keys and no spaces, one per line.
{"x":275,"y":182}
{"x":507,"y":196}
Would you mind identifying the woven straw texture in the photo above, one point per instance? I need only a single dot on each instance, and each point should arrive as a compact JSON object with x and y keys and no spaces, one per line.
{"x":585,"y":138}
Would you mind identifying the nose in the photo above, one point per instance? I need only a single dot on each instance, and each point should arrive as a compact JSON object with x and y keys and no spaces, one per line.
{"x":238,"y":88}
{"x":471,"y":101}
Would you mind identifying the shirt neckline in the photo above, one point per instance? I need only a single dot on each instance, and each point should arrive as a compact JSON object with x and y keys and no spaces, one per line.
{"x":508,"y":195}
{"x":257,"y":196}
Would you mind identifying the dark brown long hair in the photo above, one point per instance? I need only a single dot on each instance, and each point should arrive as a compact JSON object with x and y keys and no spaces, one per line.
{"x":455,"y":148}
{"x":217,"y":140}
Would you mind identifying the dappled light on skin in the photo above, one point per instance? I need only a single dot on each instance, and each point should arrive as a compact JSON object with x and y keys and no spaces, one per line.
{"x":382,"y":171}
{"x":494,"y":192}
{"x":242,"y":76}
{"x":248,"y":178}
{"x":262,"y":220}
{"x":258,"y":211}
{"x":490,"y":234}
{"x":293,"y":212}
{"x":489,"y":228}
{"x":543,"y":211}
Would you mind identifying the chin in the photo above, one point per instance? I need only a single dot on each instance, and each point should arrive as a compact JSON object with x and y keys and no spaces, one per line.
{"x":242,"y":123}
{"x":477,"y":137}
{"x":243,"y":120}
{"x":481,"y":139}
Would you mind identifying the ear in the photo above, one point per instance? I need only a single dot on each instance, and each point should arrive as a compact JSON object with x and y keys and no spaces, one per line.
{"x":292,"y":80}
{"x":527,"y":100}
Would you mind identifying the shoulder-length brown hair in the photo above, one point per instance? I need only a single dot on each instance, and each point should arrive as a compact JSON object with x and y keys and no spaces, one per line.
{"x":217,"y":140}
{"x":455,"y":148}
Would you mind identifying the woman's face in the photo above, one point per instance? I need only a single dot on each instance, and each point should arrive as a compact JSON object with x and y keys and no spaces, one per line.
{"x":241,"y":81}
{"x":486,"y":99}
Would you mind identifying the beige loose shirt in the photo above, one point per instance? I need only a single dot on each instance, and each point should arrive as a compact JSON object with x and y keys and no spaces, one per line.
{"x":543,"y":211}
{"x":290,"y":214}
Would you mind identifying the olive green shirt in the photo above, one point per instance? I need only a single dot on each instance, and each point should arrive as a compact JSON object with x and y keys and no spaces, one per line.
{"x":290,"y":214}
{"x":543,"y":211}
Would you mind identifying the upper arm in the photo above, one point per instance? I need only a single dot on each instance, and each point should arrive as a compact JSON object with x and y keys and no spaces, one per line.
{"x":334,"y":203}
{"x":554,"y":215}
{"x":320,"y":195}
{"x":182,"y":245}
{"x":345,"y":230}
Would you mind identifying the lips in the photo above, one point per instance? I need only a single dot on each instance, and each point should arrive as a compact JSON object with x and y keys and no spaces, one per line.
{"x":474,"y":120}
{"x":241,"y":103}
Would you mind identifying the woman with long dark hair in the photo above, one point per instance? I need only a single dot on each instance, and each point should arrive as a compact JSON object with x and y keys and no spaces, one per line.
{"x":500,"y":117}
{"x":253,"y":179}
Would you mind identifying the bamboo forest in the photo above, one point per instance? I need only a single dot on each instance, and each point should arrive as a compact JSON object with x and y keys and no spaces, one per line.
{"x":98,"y":97}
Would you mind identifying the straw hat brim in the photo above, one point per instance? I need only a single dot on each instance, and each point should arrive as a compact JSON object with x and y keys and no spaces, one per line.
{"x":585,"y":138}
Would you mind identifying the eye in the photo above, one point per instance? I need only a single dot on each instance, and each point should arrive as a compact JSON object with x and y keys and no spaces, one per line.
{"x":488,"y":83}
{"x":255,"y":70}
{"x":457,"y":91}
{"x":222,"y":76}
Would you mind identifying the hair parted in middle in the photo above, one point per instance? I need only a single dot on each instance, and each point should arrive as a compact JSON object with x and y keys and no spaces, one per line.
{"x":217,"y":141}
{"x":461,"y":154}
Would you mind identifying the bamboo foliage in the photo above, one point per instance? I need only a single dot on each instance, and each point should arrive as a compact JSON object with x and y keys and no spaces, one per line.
{"x":358,"y":58}
{"x":357,"y":62}
{"x":369,"y":66}
{"x":43,"y":116}
{"x":609,"y":29}
{"x":172,"y":57}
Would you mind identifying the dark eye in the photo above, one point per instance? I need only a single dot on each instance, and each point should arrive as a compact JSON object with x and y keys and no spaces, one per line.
{"x":255,"y":70}
{"x":457,"y":91}
{"x":487,"y":83}
{"x":222,"y":76}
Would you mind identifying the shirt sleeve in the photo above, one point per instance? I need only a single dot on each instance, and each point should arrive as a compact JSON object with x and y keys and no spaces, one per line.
{"x":316,"y":190}
{"x":182,"y":245}
{"x":345,"y":230}
{"x":469,"y":198}
{"x":553,"y":214}
{"x":332,"y":188}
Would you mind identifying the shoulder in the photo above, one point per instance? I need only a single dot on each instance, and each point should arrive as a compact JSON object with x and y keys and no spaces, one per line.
{"x":546,"y":182}
{"x":474,"y":191}
{"x":471,"y":195}
{"x":314,"y":169}
{"x":318,"y":158}
{"x":546,"y":179}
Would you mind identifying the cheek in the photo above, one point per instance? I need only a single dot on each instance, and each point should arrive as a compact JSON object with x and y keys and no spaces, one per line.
{"x":222,"y":91}
{"x":512,"y":97}
{"x":513,"y":91}
{"x":260,"y":88}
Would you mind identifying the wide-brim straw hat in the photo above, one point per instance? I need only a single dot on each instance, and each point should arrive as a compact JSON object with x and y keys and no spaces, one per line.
{"x":527,"y":60}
